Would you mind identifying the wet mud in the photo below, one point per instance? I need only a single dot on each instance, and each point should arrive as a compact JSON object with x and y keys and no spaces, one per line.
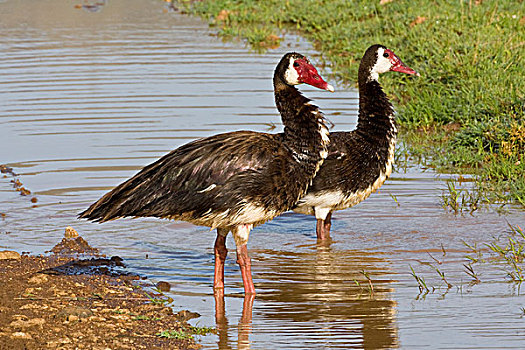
{"x":58,"y":301}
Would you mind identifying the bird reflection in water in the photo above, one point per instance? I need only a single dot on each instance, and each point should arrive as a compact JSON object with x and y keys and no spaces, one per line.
{"x":310,"y":297}
{"x":245,"y":323}
{"x":323,"y":289}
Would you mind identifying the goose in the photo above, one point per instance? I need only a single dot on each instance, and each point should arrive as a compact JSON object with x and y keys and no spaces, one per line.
{"x":233,"y":181}
{"x":359,"y":161}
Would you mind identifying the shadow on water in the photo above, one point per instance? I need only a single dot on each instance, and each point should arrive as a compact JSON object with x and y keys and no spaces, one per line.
{"x":91,"y":95}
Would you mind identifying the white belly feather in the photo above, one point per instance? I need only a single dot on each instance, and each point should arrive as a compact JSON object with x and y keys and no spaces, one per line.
{"x":321,"y":203}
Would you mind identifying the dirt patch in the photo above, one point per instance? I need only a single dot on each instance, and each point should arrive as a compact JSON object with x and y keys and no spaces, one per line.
{"x":66,"y":302}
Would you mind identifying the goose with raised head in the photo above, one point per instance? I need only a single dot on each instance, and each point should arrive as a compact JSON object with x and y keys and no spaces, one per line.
{"x":359,"y":161}
{"x":232,"y":181}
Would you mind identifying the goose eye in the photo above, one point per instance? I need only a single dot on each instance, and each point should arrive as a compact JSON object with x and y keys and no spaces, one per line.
{"x":386,"y":55}
{"x":295,"y":64}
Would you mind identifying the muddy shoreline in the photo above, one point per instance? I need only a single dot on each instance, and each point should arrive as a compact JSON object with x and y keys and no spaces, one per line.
{"x":75,"y":298}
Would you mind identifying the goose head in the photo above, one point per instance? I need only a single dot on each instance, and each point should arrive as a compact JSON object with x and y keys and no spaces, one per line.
{"x":378,"y":59}
{"x":295,"y":69}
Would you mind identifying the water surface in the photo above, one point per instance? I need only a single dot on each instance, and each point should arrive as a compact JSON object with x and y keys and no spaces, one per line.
{"x":88,"y":96}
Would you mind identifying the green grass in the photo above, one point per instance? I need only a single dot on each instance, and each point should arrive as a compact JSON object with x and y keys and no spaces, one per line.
{"x":466,"y":113}
{"x":179,"y":335}
{"x":505,"y":253}
{"x":158,"y":297}
{"x":186,"y":334}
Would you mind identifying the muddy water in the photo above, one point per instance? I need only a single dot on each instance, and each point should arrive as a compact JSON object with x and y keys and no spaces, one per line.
{"x":90,"y":95}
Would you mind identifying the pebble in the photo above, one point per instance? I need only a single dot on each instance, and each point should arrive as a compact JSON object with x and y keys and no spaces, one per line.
{"x":34,"y":306}
{"x":164,"y":286}
{"x":21,"y":335}
{"x":78,"y":312}
{"x":70,"y":232}
{"x":185,"y":315}
{"x":73,"y":318}
{"x":38,"y":279}
{"x":97,"y":319}
{"x":65,"y":340}
{"x":21,"y":324}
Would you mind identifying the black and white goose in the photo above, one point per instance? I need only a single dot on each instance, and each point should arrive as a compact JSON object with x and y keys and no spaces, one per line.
{"x":358,"y":161}
{"x":233,"y":181}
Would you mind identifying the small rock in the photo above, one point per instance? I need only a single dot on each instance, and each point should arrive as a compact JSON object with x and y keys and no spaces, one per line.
{"x":21,"y":335}
{"x":4,"y":169}
{"x":24,"y":191}
{"x":38,"y":279}
{"x":21,"y":317}
{"x":97,"y":319}
{"x":73,"y":318}
{"x":20,"y":324}
{"x":80,"y":312}
{"x":9,"y":255}
{"x":73,"y":246}
{"x":185,"y":315}
{"x":164,"y":286}
{"x":34,"y":306}
{"x":31,"y":291}
{"x":52,"y":344}
{"x":70,"y":232}
{"x":64,"y":340}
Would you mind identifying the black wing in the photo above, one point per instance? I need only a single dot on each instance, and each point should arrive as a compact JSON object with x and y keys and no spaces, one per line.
{"x":209,"y":175}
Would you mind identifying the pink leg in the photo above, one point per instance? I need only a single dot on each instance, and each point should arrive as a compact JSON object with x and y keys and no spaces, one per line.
{"x":241,"y":234}
{"x":245,"y":264}
{"x":323,"y":228}
{"x":220,"y":257}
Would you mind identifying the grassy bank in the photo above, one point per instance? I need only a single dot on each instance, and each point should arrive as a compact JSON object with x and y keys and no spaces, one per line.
{"x":465,"y":113}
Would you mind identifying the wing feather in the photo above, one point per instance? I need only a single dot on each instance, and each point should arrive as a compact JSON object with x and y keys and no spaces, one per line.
{"x":199,"y":177}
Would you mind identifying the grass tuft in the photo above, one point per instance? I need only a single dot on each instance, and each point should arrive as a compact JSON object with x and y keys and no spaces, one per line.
{"x":186,"y":334}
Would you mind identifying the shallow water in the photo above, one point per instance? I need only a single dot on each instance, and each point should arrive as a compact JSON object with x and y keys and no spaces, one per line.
{"x":89,"y":96}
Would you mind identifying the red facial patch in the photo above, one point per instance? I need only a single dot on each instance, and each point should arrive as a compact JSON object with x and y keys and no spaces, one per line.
{"x":398,"y":65}
{"x":309,"y":75}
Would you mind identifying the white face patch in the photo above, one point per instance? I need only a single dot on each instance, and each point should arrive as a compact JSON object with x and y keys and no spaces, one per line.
{"x":382,"y":65}
{"x":291,"y":76}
